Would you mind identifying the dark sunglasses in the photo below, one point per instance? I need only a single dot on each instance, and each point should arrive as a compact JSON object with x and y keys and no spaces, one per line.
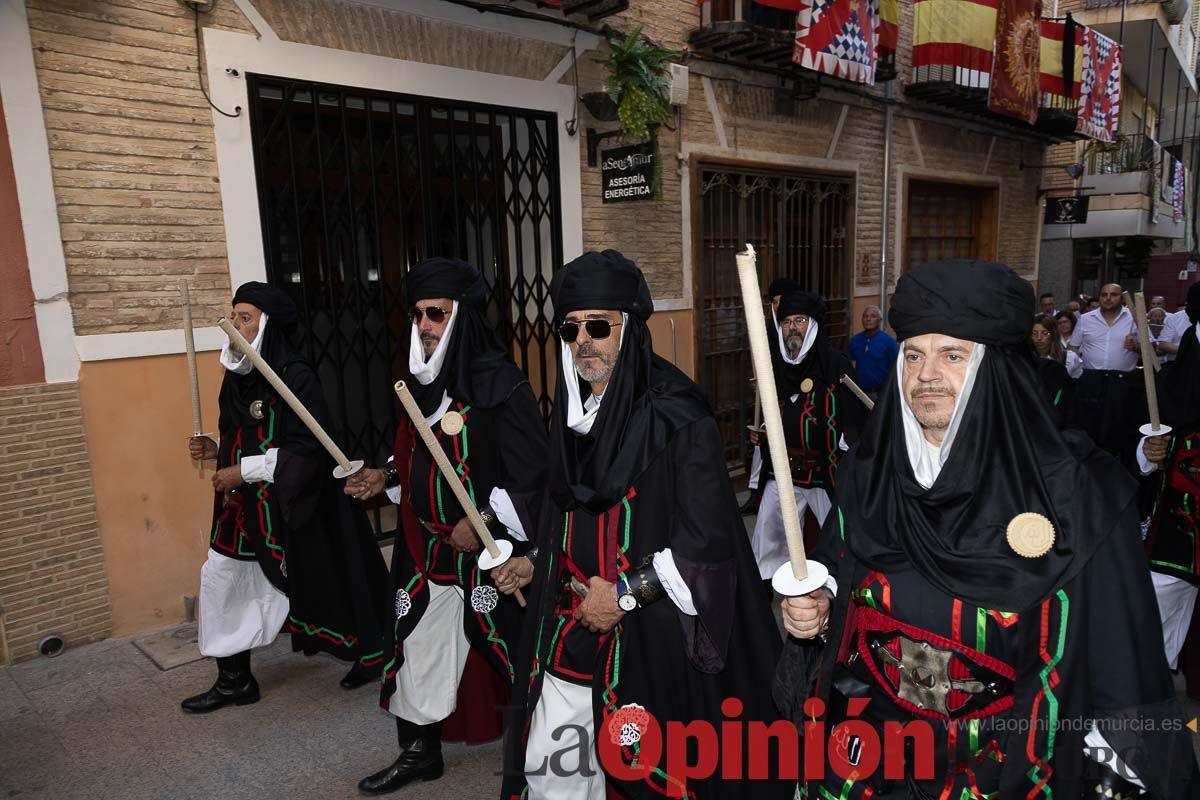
{"x":596,"y":329}
{"x":435,"y":313}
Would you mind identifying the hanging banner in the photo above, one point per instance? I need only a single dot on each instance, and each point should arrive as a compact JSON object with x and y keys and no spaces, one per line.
{"x":1066,"y":210}
{"x":1016,"y":60}
{"x":887,"y":33}
{"x":1100,"y":87}
{"x":837,"y":37}
{"x":1062,"y":53}
{"x":957,"y":33}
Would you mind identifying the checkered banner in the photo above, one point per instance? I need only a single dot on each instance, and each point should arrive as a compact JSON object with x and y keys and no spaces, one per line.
{"x":1100,"y":92}
{"x":838,"y":37}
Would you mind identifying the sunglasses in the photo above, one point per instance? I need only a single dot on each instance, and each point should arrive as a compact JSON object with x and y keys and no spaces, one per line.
{"x":436,"y":314}
{"x":596,"y":329}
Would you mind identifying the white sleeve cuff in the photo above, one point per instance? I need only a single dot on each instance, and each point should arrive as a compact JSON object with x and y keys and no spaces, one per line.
{"x":842,"y":443}
{"x":672,"y":581}
{"x":831,"y":585}
{"x":394,"y":493}
{"x":502,"y":507}
{"x":259,"y":469}
{"x":1145,"y":465}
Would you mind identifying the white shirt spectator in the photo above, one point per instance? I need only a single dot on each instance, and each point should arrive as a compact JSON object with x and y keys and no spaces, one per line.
{"x":1172,"y":332}
{"x":1102,"y":346}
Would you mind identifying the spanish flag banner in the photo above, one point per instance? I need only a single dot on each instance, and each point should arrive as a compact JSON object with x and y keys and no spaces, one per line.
{"x":1058,"y":59}
{"x":1016,"y":60}
{"x":887,"y":34}
{"x":954,"y":33}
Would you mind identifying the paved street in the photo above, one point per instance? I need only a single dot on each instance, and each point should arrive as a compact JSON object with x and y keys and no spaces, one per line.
{"x":103,"y":722}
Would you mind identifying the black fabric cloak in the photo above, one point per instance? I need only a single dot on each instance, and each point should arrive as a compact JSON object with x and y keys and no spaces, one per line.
{"x":1086,"y":640}
{"x":652,"y":465}
{"x":310,"y":542}
{"x":1173,"y":541}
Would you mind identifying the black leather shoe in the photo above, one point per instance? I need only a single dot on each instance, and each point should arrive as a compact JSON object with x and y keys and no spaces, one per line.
{"x":360,"y":675}
{"x":235,"y":686}
{"x":420,"y":760}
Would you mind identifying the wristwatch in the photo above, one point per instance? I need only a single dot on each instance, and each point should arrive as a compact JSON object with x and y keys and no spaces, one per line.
{"x":626,"y":600}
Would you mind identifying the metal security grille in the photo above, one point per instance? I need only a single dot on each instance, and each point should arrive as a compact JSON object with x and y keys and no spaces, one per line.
{"x":799,"y":224}
{"x":355,"y":186}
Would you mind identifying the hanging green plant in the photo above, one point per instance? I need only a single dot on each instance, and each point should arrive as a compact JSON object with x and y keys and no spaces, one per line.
{"x":637,"y":82}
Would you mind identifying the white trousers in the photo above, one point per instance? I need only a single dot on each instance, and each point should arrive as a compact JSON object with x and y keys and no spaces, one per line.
{"x":239,"y":608}
{"x":435,"y":654}
{"x":552,"y":754}
{"x":768,"y":540}
{"x":1176,"y":599}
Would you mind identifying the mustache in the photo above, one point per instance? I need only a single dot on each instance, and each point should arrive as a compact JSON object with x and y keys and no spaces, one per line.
{"x":589,"y":349}
{"x":942,"y":391}
{"x":430,"y":336}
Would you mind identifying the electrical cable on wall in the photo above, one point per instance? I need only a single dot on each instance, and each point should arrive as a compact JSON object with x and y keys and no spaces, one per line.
{"x":206,"y":7}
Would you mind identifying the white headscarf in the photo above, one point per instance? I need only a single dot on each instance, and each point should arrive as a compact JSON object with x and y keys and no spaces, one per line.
{"x":927,"y":459}
{"x":426,"y":371}
{"x":578,"y":419}
{"x":237,"y":361}
{"x":809,"y":337}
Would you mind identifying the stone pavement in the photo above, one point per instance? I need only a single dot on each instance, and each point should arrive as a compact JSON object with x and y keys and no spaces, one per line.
{"x":102,"y":722}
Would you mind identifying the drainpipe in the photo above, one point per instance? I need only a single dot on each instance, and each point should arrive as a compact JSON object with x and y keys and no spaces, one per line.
{"x":887,"y":183}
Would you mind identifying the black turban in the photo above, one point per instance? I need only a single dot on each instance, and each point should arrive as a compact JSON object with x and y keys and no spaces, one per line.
{"x":605,"y":281}
{"x":782,"y":286}
{"x":445,"y":277}
{"x":809,"y":304}
{"x":980,"y":301}
{"x":272,"y":301}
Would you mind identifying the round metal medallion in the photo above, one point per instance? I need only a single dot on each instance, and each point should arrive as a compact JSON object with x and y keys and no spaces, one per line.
{"x":256,"y":409}
{"x":806,"y":385}
{"x":452,"y":423}
{"x":1030,"y":535}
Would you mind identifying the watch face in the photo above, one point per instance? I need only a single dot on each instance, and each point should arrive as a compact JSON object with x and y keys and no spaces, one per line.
{"x":627,"y":602}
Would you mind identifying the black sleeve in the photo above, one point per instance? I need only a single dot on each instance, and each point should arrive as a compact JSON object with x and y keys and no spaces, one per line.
{"x":704,"y":522}
{"x":298,"y":440}
{"x":522,"y":441}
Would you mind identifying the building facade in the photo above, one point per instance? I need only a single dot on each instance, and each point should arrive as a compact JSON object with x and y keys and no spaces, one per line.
{"x":325,"y":145}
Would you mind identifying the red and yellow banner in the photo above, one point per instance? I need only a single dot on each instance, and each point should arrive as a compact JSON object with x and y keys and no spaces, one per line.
{"x":959,"y":33}
{"x":1054,"y":59}
{"x":887,"y":34}
{"x":1017,"y":60}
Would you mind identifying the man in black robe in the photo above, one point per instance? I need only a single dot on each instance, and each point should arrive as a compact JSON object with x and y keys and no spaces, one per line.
{"x":646,"y":611}
{"x":482,"y":410}
{"x":287,"y":548}
{"x":1173,"y":539}
{"x":988,"y":584}
{"x":817,"y":410}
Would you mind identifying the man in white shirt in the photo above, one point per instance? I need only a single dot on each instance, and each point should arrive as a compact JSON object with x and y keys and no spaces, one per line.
{"x":1109,"y":405}
{"x":1173,"y":328}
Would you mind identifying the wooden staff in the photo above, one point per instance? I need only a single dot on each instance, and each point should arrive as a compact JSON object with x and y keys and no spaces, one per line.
{"x":345,"y":467}
{"x":496,"y":555}
{"x":189,"y":343}
{"x":857,"y":391}
{"x":804,"y":575}
{"x":1156,"y":428}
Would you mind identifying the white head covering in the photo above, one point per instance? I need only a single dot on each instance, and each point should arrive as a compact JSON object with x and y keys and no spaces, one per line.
{"x":237,"y":361}
{"x":809,"y":337}
{"x":426,"y":371}
{"x":927,"y":459}
{"x":578,"y":419}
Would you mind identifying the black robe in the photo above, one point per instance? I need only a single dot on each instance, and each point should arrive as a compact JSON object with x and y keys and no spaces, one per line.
{"x":678,"y":667}
{"x":503,"y":446}
{"x":309,"y":540}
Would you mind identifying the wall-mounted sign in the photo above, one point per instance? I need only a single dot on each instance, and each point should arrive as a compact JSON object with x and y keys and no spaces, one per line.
{"x":627,"y":173}
{"x":1066,"y":210}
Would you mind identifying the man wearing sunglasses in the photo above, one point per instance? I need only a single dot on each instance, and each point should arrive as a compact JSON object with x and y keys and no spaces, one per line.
{"x":816,"y":409}
{"x":451,"y":623}
{"x":644,"y":601}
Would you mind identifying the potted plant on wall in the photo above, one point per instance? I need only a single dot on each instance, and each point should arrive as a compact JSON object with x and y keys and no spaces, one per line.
{"x":636,"y":91}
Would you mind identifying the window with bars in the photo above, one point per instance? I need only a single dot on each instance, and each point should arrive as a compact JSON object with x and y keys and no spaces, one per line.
{"x":356,"y":186}
{"x":946,"y":220}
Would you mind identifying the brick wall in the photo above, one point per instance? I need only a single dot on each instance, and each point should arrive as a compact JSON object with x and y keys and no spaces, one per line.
{"x":52,"y":576}
{"x":133,"y":158}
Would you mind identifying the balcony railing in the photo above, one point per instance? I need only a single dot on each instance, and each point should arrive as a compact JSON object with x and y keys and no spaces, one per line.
{"x":1132,"y":154}
{"x":761,"y":37}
